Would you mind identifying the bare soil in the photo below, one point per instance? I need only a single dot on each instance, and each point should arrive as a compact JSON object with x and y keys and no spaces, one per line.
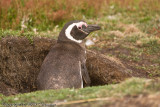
{"x":21,"y":60}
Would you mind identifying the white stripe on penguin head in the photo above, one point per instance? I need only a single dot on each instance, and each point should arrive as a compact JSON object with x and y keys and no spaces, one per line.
{"x":68,"y":31}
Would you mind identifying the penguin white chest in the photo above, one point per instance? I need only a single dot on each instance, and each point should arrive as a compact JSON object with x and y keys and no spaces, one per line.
{"x":80,"y":72}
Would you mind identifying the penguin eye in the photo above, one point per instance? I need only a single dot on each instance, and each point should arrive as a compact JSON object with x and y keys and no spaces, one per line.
{"x":79,"y":28}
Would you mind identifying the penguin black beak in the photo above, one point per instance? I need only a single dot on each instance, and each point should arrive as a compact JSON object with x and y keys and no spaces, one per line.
{"x":91,"y":28}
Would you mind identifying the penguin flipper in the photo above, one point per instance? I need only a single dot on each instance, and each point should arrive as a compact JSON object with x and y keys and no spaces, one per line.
{"x":85,"y":75}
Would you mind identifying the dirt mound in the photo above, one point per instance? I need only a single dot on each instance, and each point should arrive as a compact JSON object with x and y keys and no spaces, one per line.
{"x":21,"y":60}
{"x":104,"y":69}
{"x":6,"y":90}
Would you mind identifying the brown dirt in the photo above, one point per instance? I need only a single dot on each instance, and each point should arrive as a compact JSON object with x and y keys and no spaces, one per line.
{"x":21,"y":60}
{"x":6,"y":90}
{"x":104,"y":69}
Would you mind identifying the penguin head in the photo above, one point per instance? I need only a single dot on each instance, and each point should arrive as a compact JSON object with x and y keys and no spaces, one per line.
{"x":76,"y":31}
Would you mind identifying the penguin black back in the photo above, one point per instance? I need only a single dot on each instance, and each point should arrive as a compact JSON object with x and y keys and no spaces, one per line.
{"x":64,"y":66}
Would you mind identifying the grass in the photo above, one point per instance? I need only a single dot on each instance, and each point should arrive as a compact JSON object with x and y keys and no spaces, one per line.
{"x":30,"y":34}
{"x":131,"y":86}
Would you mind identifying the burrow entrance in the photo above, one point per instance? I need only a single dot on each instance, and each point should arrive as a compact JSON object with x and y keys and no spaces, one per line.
{"x":20,"y":61}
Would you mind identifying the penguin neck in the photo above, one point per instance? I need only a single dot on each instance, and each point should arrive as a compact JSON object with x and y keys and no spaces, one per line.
{"x":63,"y":39}
{"x":81,"y":45}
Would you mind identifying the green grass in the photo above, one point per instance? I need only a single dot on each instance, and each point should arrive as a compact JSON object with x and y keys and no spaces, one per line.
{"x":132,"y":86}
{"x":30,"y":34}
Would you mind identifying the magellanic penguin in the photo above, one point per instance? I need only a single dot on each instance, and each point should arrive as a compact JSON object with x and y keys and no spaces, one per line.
{"x":64,"y":66}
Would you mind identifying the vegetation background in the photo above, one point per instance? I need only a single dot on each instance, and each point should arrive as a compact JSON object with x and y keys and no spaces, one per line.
{"x":130,"y":32}
{"x":46,"y":14}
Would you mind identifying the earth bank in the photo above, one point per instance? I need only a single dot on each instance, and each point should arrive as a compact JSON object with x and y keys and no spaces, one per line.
{"x":21,"y":60}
